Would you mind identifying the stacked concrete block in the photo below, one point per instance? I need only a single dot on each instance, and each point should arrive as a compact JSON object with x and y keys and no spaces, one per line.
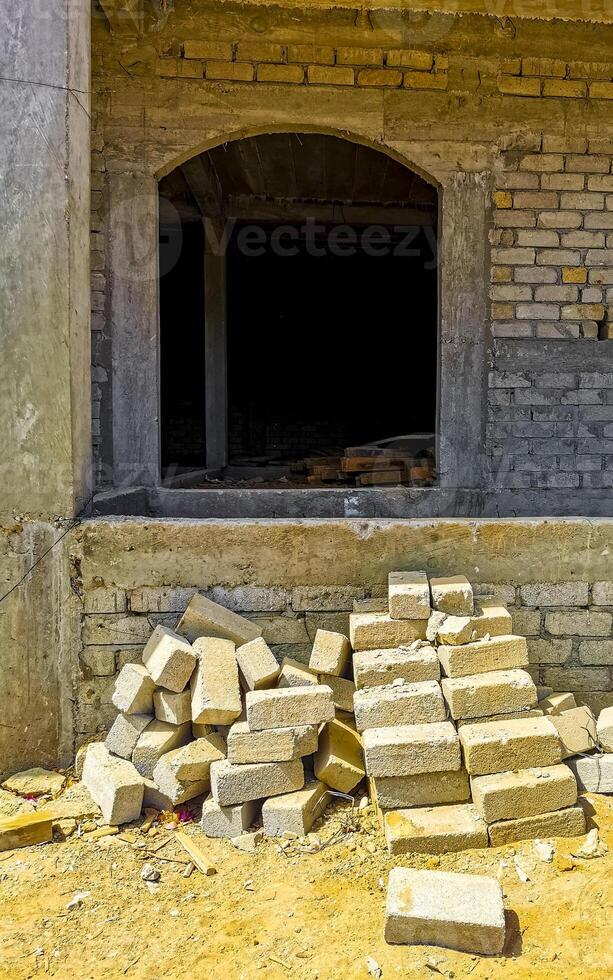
{"x":270,"y":745}
{"x":158,"y":738}
{"x":257,"y":664}
{"x":216,"y":695}
{"x":172,"y":707}
{"x":114,"y":784}
{"x":169,"y":659}
{"x":206,"y":618}
{"x":398,"y":704}
{"x":378,"y":631}
{"x":134,"y":689}
{"x":489,"y":620}
{"x":289,"y":707}
{"x":604,"y":729}
{"x":339,"y":760}
{"x":409,"y":595}
{"x":435,"y":830}
{"x":294,"y":813}
{"x":234,"y":784}
{"x":411,"y":664}
{"x":295,"y":674}
{"x":497,"y":692}
{"x":330,"y":653}
{"x":452,"y":595}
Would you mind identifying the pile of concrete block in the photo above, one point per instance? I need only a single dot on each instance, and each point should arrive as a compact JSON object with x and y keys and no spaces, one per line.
{"x":211,"y":713}
{"x":472,"y":757}
{"x":477,"y":756}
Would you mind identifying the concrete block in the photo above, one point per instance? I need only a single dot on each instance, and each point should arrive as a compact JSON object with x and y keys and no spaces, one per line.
{"x":441,"y":908}
{"x":497,"y":692}
{"x":194,"y":759}
{"x":158,"y":738}
{"x":272,"y":745}
{"x":295,"y":674}
{"x":505,"y":716}
{"x":203,"y":617}
{"x":594,"y":773}
{"x":154,"y":798}
{"x":424,"y":789}
{"x":114,"y":784}
{"x":576,"y":729}
{"x":555,"y":703}
{"x":257,"y":664}
{"x":169,"y":659}
{"x":487,"y":621}
{"x":410,"y":749}
{"x":604,"y":729}
{"x":452,"y":595}
{"x":232,"y":784}
{"x":413,"y":665}
{"x":134,"y":689}
{"x":342,"y":691}
{"x":409,"y":595}
{"x":524,"y":793}
{"x":560,"y":823}
{"x":288,"y":707}
{"x":481,"y":656}
{"x":339,"y":762}
{"x":174,"y":708}
{"x":399,"y":704}
{"x":434,"y":830}
{"x":177,"y":791}
{"x":378,"y":631}
{"x":506,"y":745}
{"x":228,"y":821}
{"x":125,"y":733}
{"x":294,"y":813}
{"x":330,"y":654}
{"x":215,"y":689}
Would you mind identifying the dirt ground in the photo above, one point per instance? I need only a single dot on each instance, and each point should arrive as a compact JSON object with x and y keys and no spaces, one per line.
{"x":291,"y":909}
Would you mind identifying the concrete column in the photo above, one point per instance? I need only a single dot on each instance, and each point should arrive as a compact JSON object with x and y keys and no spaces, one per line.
{"x":133,"y":231}
{"x":45,"y":386}
{"x":215,"y":357}
{"x":45,"y":413}
{"x":464,"y":339}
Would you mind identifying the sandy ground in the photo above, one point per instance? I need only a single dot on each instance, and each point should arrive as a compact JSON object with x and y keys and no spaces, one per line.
{"x":285,"y":912}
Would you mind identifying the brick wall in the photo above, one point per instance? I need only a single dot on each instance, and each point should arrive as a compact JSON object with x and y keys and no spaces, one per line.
{"x":568,"y":626}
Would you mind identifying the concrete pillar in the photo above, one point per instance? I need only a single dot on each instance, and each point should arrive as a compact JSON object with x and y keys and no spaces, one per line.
{"x":133,"y":231}
{"x":45,"y":413}
{"x":45,"y":386}
{"x":215,"y":356}
{"x":464,"y":338}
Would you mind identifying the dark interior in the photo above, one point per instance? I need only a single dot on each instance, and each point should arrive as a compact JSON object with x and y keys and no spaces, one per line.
{"x":331,"y":300}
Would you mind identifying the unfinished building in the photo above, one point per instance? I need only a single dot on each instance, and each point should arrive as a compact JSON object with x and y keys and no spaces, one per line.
{"x":242,"y":236}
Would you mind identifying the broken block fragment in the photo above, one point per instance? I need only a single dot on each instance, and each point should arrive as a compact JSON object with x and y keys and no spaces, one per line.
{"x":288,"y":707}
{"x":481,"y":656}
{"x":378,"y":631}
{"x":206,"y":618}
{"x":339,"y":762}
{"x":169,"y":659}
{"x":409,"y":595}
{"x":257,"y":664}
{"x":524,"y":793}
{"x":330,"y":653}
{"x":134,"y":689}
{"x":398,"y":704}
{"x":452,"y":595}
{"x":114,"y":784}
{"x":555,"y":703}
{"x":270,"y":745}
{"x":442,"y":908}
{"x":294,"y":813}
{"x":410,"y":664}
{"x":215,"y":688}
{"x":506,"y":745}
{"x":232,"y":784}
{"x":434,"y":830}
{"x":410,"y":749}
{"x":295,"y":674}
{"x":493,"y":693}
{"x":177,"y":791}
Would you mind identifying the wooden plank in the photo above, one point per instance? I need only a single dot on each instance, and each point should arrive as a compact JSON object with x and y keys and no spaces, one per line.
{"x":25,"y":829}
{"x":196,"y":853}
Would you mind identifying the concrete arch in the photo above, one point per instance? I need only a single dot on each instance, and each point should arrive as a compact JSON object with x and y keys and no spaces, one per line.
{"x":350,"y":136}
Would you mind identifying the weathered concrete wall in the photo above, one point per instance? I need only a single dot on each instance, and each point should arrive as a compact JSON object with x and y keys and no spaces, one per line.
{"x":512,"y":109}
{"x":45,"y":422}
{"x":296,"y":576}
